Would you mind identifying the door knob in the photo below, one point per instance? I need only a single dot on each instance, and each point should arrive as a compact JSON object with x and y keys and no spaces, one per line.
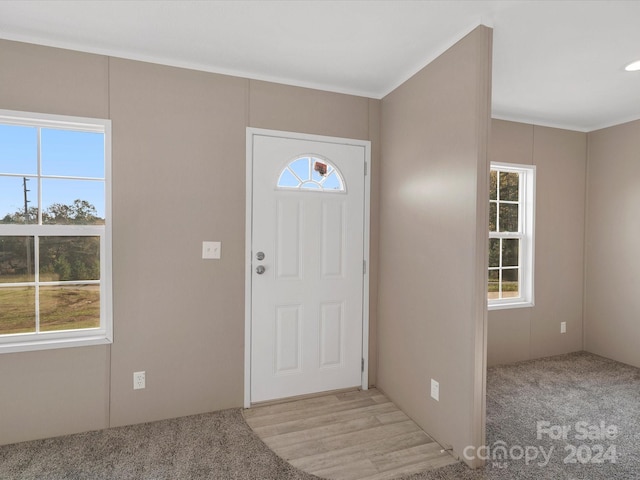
{"x":260,"y":255}
{"x":260,"y":269}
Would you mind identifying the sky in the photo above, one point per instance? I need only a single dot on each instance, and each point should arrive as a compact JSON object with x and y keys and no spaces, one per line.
{"x":301,"y":173}
{"x":63,"y":153}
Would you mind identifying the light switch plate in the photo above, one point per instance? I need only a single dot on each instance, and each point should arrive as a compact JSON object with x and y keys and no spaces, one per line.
{"x":211,"y":250}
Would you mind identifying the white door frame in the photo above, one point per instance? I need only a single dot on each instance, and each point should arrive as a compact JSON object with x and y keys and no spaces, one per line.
{"x":251,"y":132}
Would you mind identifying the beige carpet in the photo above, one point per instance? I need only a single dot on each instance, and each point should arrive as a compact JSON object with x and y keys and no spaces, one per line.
{"x":560,"y":390}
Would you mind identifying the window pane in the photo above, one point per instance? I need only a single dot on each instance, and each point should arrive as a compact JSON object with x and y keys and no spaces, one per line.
{"x":287,"y":179}
{"x":332,"y":182}
{"x":17,"y":310}
{"x":12,"y":190}
{"x":18,"y":149}
{"x":16,"y":260}
{"x":76,"y":202}
{"x":508,"y":217}
{"x":69,"y":259}
{"x":494,"y":252}
{"x":69,"y":307}
{"x":302,"y":168}
{"x":510,"y":252}
{"x":509,"y":186}
{"x":493,"y":185}
{"x":493,"y":216}
{"x":510,"y":287}
{"x":72,"y":153}
{"x":493,"y":285}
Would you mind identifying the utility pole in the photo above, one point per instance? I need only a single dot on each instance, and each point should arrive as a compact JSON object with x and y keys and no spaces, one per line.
{"x":26,"y":220}
{"x":26,"y":202}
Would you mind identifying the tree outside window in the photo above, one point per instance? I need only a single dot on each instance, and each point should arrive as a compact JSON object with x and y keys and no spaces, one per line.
{"x":511,"y":207}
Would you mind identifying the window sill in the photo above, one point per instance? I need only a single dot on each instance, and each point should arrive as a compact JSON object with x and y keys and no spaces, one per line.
{"x":505,"y":306}
{"x":49,"y":344}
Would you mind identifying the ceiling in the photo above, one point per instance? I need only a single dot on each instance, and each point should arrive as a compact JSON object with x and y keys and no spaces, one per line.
{"x":558,"y":63}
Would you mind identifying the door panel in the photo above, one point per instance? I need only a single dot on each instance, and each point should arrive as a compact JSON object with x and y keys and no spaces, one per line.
{"x":289,"y":238}
{"x":331,"y":335}
{"x":288,"y":341}
{"x":333,"y":239}
{"x":307,"y":304}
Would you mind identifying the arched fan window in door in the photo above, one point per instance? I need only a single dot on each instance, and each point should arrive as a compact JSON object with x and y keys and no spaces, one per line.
{"x":312,"y":174}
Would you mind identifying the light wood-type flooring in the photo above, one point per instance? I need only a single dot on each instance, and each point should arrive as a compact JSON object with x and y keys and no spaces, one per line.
{"x":347,"y":436}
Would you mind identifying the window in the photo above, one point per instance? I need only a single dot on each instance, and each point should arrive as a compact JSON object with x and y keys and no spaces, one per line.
{"x":511,"y":221}
{"x":55,"y":231}
{"x":311,"y":173}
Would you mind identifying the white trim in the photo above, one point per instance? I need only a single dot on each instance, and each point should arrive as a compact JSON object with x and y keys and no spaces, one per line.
{"x":247,"y":267}
{"x":526,"y":119}
{"x":505,"y":305}
{"x":62,"y":341}
{"x":52,"y":177}
{"x":47,"y":120}
{"x":516,"y":118}
{"x":367,"y":259}
{"x":190,"y":65}
{"x":251,"y":132}
{"x":614,"y":123}
{"x":53,"y":230}
{"x":106,"y":300}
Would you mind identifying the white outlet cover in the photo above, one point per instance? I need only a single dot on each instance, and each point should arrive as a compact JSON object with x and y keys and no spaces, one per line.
{"x":563,"y":327}
{"x":211,"y":250}
{"x":435,"y":390}
{"x":139,"y":380}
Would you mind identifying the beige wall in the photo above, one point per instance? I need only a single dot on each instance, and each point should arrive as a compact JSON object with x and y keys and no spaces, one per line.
{"x":57,"y":391}
{"x":613,"y":235}
{"x":433,"y":241}
{"x":560,"y":160}
{"x":178,"y":179}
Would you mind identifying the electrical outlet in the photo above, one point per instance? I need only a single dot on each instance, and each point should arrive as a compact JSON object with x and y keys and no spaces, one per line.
{"x":139,"y":380}
{"x":435,"y":390}
{"x":563,"y":327}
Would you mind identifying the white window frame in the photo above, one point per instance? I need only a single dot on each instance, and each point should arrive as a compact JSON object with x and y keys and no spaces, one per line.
{"x":102,"y":335}
{"x":526,"y":234}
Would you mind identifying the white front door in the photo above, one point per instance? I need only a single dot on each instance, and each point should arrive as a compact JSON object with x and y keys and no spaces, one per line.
{"x":307,"y":264}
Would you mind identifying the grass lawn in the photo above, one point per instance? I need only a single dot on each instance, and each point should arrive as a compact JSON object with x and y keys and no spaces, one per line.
{"x":509,"y":290}
{"x":61,"y":308}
